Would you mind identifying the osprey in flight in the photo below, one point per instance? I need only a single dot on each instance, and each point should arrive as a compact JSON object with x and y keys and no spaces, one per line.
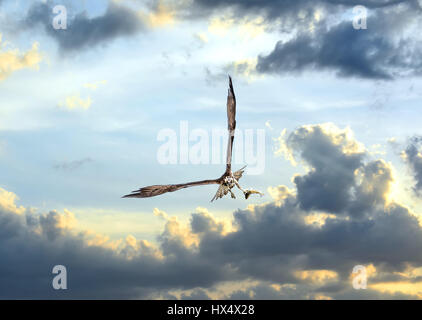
{"x":227,"y":181}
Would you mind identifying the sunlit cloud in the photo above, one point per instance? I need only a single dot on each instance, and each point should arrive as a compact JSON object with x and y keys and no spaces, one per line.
{"x":245,"y":68}
{"x":317,"y":276}
{"x":94,"y":85}
{"x":201,"y":36}
{"x":76,"y":102}
{"x":12,"y":60}
{"x":345,"y":203}
{"x":8,"y":202}
{"x":246,"y":28}
{"x":163,"y":15}
{"x":405,"y":287}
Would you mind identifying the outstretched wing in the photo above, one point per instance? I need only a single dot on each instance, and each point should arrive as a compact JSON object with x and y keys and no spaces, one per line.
{"x":238,"y":174}
{"x":231,"y":121}
{"x":152,"y":191}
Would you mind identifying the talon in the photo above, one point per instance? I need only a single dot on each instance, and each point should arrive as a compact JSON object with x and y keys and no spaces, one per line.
{"x":249,"y":192}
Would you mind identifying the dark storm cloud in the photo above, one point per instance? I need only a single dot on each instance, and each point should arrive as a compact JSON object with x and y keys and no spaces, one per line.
{"x":327,"y":187}
{"x":278,"y":241}
{"x":413,"y":159}
{"x":85,"y":32}
{"x":290,"y":14}
{"x":33,"y":244}
{"x":271,"y":9}
{"x":271,"y":242}
{"x":276,"y":8}
{"x":267,"y":292}
{"x":279,"y":4}
{"x":348,"y":52}
{"x":380,"y":52}
{"x":339,"y":182}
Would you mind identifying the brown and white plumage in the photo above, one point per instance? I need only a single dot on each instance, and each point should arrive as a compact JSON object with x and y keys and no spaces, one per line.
{"x":224,"y":188}
{"x":156,"y":190}
{"x":231,"y":123}
{"x":227,"y":181}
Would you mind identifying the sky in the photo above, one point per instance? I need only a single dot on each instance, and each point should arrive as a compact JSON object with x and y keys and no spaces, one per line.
{"x":129,"y":93}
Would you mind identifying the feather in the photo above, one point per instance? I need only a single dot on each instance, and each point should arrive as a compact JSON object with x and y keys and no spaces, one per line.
{"x":223,"y":189}
{"x":231,"y":123}
{"x":221,"y":192}
{"x":238,"y":174}
{"x":152,"y":191}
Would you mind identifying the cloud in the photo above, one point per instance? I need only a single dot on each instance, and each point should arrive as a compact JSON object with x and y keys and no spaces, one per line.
{"x":83,"y":31}
{"x":320,"y":38}
{"x":76,"y":102}
{"x":413,"y":158}
{"x":244,"y":68}
{"x":290,"y":11}
{"x":132,"y":268}
{"x":55,"y":224}
{"x":201,"y":37}
{"x":12,"y":60}
{"x":162,"y":15}
{"x":94,"y":85}
{"x":302,"y":244}
{"x":370,"y":53}
{"x":298,"y":246}
{"x":289,"y":292}
{"x":334,"y":156}
{"x":248,"y":27}
{"x":7,"y":202}
{"x":272,"y":9}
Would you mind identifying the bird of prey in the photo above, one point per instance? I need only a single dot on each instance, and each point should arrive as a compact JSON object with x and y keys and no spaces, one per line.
{"x":227,"y":181}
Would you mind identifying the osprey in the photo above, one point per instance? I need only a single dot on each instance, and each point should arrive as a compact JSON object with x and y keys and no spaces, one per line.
{"x":227,"y":181}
